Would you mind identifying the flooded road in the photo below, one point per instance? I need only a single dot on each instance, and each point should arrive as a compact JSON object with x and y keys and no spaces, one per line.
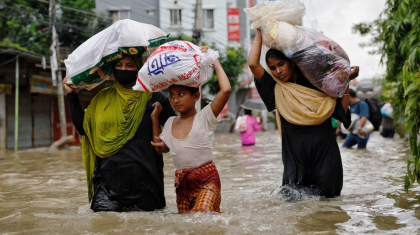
{"x":46,"y":193}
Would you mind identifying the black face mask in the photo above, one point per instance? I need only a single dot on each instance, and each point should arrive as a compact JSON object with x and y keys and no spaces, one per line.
{"x":125,"y":77}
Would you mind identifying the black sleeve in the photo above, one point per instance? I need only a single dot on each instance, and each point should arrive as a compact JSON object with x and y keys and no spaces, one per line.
{"x":265,"y":88}
{"x":341,"y":115}
{"x":77,"y":113}
{"x":167,"y":110}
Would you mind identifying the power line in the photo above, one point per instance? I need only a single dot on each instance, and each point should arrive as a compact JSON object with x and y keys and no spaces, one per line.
{"x":30,"y":40}
{"x":74,"y":9}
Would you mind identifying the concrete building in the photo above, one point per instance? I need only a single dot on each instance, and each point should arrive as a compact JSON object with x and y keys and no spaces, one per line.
{"x":178,"y":17}
{"x":36,"y":100}
{"x":145,"y":11}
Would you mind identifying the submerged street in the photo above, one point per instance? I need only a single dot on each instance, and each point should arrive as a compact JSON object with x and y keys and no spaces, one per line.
{"x":46,"y":193}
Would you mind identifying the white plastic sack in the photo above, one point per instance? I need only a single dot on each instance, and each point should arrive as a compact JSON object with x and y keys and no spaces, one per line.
{"x":241,"y":124}
{"x":176,"y":62}
{"x":355,"y":122}
{"x":91,"y":63}
{"x":323,"y":62}
{"x":387,"y":110}
{"x":290,"y":11}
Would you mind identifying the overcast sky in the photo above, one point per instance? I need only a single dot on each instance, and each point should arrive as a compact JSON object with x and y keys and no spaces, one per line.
{"x":335,"y":19}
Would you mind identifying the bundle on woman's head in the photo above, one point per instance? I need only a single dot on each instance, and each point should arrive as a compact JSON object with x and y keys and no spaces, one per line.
{"x":323,"y":62}
{"x":92,"y":62}
{"x":176,"y":62}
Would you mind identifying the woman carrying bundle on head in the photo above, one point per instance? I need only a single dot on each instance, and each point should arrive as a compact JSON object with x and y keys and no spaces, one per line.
{"x":124,"y":172}
{"x":310,"y":153}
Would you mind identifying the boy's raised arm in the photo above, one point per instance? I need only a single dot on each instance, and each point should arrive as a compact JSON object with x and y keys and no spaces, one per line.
{"x":222,"y":97}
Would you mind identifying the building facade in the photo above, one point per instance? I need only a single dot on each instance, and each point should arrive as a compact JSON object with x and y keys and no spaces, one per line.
{"x":36,"y":99}
{"x":178,"y":18}
{"x":145,"y":11}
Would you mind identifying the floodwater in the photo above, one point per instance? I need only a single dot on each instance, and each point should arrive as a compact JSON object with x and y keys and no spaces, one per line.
{"x":45,"y":193}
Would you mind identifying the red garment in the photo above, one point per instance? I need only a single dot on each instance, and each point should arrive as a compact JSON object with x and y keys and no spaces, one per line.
{"x":198,"y":189}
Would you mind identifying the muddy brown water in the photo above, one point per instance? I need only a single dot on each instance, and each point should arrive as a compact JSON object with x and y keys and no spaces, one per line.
{"x":45,"y":193}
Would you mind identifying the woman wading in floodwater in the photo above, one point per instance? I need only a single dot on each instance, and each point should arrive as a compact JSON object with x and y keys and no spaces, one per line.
{"x":124,"y":172}
{"x":311,"y":156}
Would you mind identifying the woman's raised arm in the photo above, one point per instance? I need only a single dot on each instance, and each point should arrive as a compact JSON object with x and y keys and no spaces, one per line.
{"x":254,"y":57}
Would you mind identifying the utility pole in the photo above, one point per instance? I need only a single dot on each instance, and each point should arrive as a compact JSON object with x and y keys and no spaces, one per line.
{"x":197,"y":36}
{"x":55,"y":48}
{"x":17,"y":104}
{"x":198,"y":22}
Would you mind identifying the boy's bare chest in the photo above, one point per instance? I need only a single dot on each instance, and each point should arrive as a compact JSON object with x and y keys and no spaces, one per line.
{"x":182,"y":128}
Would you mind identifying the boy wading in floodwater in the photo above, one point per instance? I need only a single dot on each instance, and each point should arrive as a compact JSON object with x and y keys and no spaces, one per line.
{"x":189,"y":139}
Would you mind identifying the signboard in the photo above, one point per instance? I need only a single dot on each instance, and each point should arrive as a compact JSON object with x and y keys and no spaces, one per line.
{"x":234,"y":33}
{"x":43,"y":85}
{"x":6,"y":89}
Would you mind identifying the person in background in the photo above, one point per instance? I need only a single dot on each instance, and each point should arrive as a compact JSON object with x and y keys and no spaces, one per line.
{"x":388,"y":128}
{"x":252,"y":125}
{"x":361,"y":108}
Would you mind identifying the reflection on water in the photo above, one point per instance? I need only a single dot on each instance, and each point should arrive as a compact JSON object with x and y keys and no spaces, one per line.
{"x":46,"y":193}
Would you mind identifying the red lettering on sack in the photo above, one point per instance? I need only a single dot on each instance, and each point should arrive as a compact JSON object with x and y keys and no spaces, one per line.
{"x":196,"y":60}
{"x":191,"y":83}
{"x":172,"y":80}
{"x":166,"y":48}
{"x":154,"y":87}
{"x":162,"y":84}
{"x":198,"y":76}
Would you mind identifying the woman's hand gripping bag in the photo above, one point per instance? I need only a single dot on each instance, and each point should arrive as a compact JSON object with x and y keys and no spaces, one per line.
{"x":176,"y":62}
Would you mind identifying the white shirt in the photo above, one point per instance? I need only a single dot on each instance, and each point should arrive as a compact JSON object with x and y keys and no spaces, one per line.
{"x":196,"y":148}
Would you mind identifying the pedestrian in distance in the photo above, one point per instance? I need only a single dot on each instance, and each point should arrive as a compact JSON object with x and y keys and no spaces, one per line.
{"x":361,"y":108}
{"x":252,"y":126}
{"x":189,"y":140}
{"x":310,"y":153}
{"x":388,"y":127}
{"x":124,"y":172}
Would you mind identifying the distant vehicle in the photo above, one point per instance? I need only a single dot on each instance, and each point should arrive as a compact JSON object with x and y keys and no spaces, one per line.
{"x":365,"y":85}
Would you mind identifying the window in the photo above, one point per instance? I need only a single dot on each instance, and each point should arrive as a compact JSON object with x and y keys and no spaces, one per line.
{"x":150,"y":12}
{"x":176,"y":17}
{"x":208,"y":19}
{"x":120,"y":15}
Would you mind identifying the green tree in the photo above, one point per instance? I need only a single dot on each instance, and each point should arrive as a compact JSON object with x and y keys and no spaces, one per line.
{"x":25,"y":24}
{"x":396,"y":38}
{"x":233,"y":61}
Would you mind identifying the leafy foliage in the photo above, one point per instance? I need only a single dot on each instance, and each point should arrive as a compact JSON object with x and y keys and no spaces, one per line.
{"x":26,"y":24}
{"x":23,"y":25}
{"x":396,"y":37}
{"x":233,"y":62}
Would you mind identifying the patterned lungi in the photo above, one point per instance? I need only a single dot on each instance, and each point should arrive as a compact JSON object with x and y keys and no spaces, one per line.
{"x":198,"y":189}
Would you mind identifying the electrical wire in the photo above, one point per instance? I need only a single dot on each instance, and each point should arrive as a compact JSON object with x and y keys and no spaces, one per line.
{"x":30,"y":40}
